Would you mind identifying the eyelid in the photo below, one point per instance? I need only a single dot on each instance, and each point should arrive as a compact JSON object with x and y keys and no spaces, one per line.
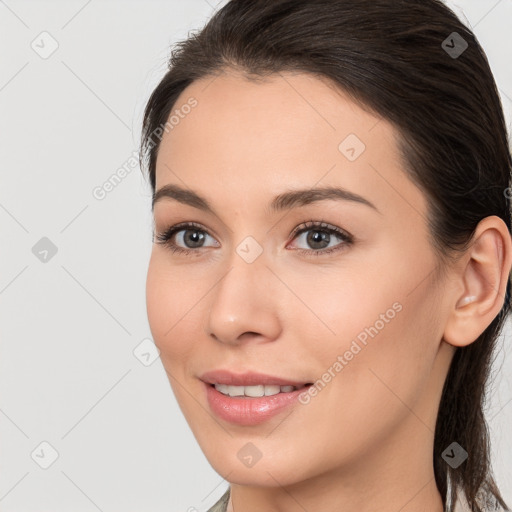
{"x":185,"y":224}
{"x":320,"y":225}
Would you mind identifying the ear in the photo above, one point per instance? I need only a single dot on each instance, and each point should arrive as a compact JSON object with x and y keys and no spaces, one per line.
{"x":484,"y":273}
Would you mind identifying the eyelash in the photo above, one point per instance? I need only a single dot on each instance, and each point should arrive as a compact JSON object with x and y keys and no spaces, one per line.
{"x":165,"y":237}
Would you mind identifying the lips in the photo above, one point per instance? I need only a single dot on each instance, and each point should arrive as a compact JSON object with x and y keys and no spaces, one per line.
{"x":249,"y":411}
{"x":248,"y":379}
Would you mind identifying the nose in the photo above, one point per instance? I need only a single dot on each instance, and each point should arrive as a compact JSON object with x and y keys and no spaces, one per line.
{"x":244,"y":304}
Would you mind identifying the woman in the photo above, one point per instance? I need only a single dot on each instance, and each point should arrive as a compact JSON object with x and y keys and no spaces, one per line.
{"x":332,"y":252}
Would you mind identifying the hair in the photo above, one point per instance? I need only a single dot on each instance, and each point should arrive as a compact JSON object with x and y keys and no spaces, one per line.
{"x":389,"y":57}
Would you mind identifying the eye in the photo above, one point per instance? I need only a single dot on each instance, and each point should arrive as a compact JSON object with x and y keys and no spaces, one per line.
{"x":193,"y":234}
{"x":321,"y":235}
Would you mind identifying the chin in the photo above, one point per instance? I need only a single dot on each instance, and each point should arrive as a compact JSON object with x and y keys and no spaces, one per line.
{"x":266,"y":472}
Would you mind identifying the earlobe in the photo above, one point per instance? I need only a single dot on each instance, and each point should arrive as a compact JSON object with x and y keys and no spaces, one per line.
{"x":483,"y":274}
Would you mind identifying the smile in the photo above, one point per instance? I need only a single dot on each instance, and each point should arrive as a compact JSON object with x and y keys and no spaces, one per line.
{"x":254,"y":391}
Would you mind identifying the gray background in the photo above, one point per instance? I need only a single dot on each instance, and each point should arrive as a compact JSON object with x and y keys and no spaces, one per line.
{"x":70,"y":324}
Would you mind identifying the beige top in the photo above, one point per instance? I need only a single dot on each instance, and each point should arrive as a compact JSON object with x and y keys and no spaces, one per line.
{"x":222,"y":504}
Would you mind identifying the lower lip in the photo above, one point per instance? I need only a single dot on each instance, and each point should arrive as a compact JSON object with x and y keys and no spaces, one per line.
{"x":249,"y":410}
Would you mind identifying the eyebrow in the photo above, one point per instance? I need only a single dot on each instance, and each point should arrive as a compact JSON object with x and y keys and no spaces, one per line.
{"x":285,"y":201}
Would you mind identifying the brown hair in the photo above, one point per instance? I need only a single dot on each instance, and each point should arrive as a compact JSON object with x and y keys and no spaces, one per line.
{"x":401,"y":61}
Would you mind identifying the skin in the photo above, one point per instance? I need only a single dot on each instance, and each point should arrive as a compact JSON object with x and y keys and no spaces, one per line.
{"x":365,"y":442}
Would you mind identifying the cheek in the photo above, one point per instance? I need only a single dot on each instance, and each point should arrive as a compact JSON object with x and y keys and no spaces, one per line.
{"x":158,"y":295}
{"x":175,"y":302}
{"x":167,"y":303}
{"x":375,"y":332}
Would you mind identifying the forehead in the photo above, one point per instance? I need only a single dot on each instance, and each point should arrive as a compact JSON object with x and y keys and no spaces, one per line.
{"x":286,"y":110}
{"x":289,"y":130}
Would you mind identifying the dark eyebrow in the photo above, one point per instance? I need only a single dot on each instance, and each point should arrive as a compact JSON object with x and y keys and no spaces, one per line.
{"x":284,"y":201}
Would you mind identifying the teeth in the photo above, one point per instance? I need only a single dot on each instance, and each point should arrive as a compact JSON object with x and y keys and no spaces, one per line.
{"x":253,"y":391}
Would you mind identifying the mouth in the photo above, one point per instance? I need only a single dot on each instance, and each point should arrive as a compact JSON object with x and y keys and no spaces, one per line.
{"x":250,"y":398}
{"x":253,"y":404}
{"x":256,"y":391}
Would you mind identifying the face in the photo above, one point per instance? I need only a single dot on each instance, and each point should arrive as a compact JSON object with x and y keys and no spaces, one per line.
{"x":335,"y":290}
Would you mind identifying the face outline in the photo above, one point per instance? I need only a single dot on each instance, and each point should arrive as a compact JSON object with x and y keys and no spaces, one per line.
{"x":292,"y":315}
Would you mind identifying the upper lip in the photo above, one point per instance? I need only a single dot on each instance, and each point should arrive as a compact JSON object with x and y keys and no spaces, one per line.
{"x":246,"y":379}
